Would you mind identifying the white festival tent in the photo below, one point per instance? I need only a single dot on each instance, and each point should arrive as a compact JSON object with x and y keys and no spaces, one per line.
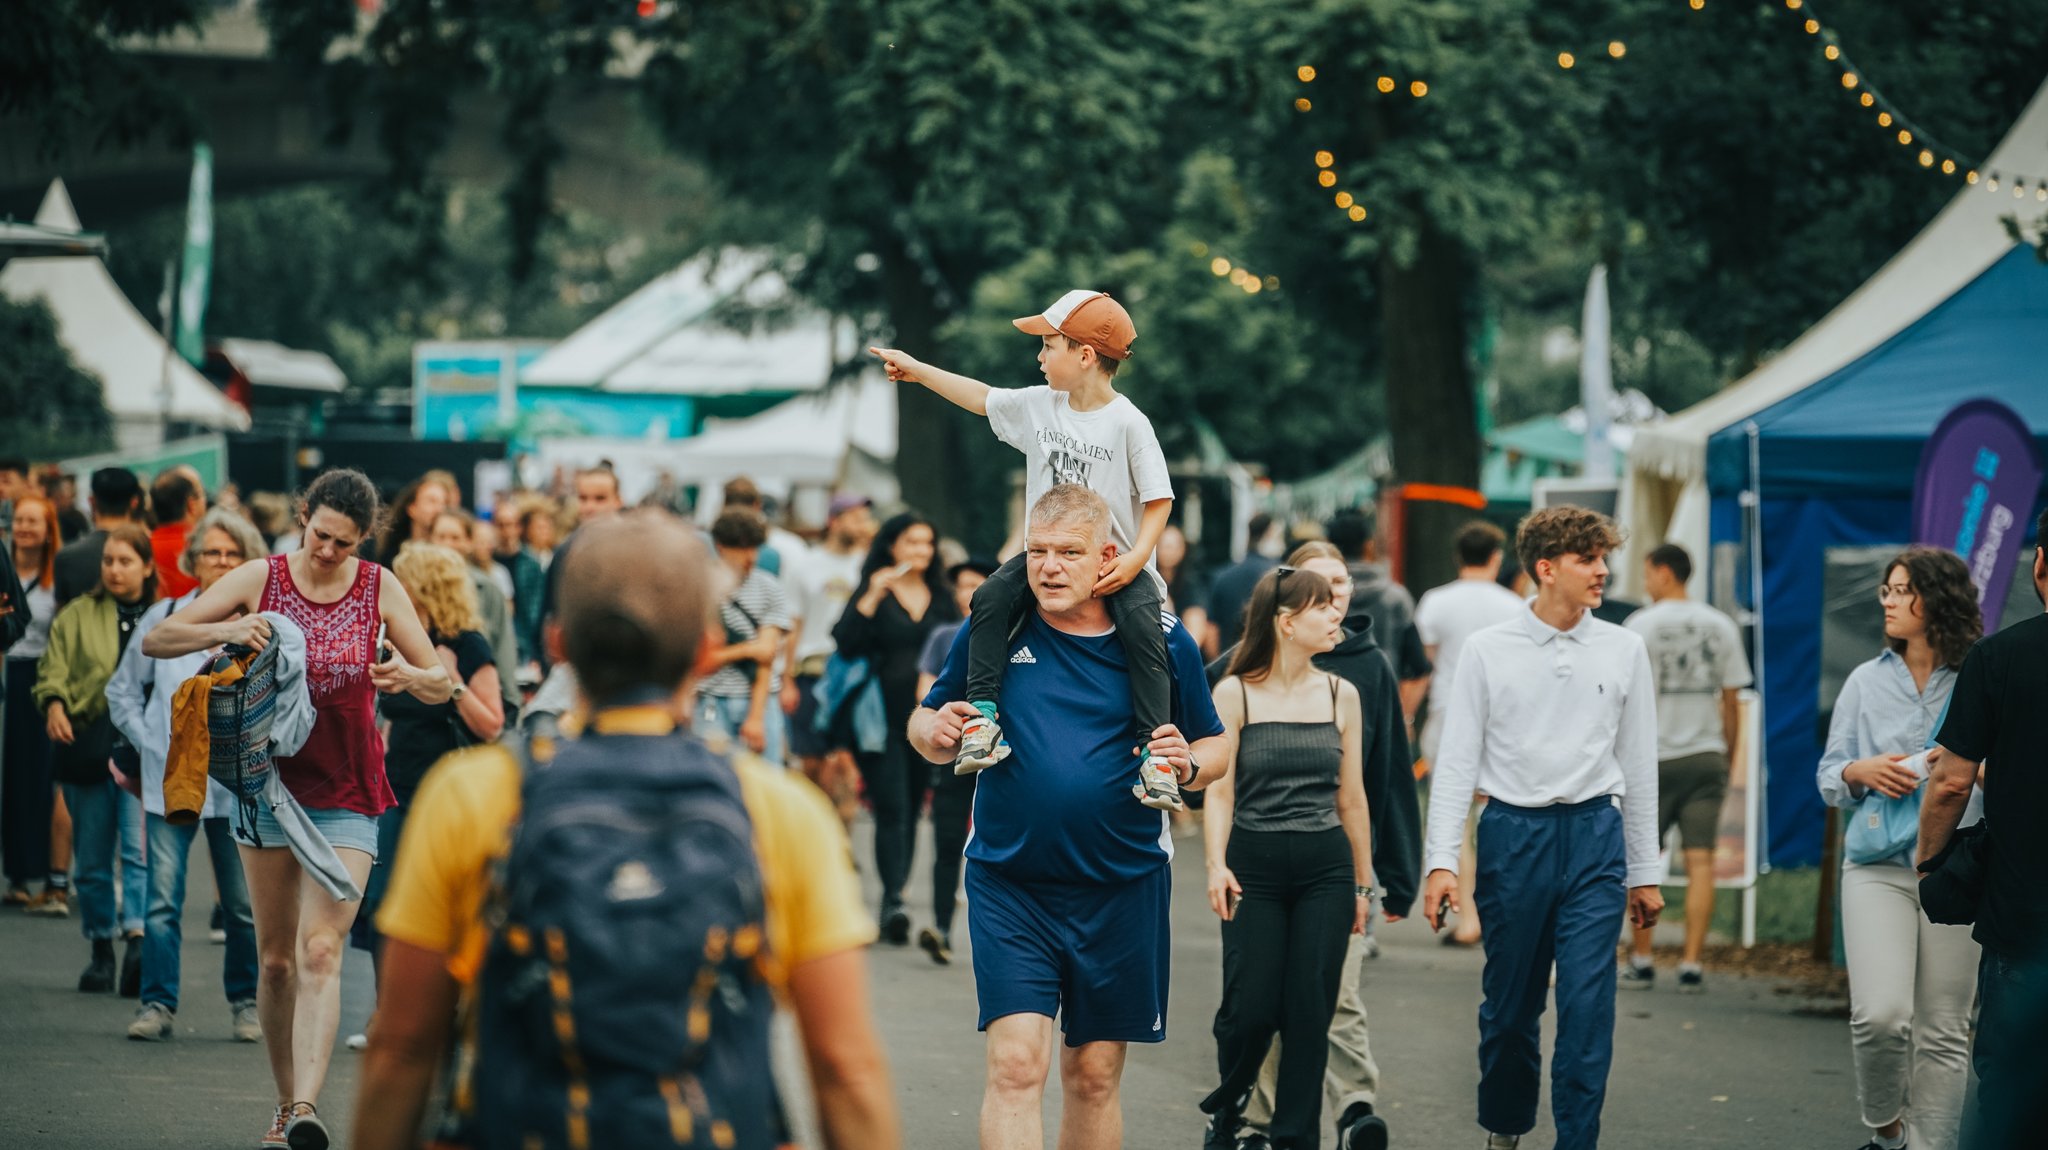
{"x":110,"y":339}
{"x":1664,"y":493}
{"x":843,"y":438}
{"x":668,"y":338}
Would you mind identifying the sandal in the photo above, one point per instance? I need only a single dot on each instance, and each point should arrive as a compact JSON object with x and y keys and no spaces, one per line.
{"x":17,"y":895}
{"x":274,"y":1138}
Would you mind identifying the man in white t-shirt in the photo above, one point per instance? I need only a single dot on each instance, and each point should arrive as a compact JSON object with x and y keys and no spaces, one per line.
{"x":1700,"y":666}
{"x":1076,"y":429}
{"x":1448,"y":615}
{"x":819,"y":586}
{"x":1445,"y":617}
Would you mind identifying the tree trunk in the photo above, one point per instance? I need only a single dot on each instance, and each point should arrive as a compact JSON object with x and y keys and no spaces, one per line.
{"x":931,"y":434}
{"x":1431,"y":410}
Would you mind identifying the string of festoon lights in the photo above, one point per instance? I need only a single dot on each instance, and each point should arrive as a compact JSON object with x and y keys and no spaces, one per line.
{"x":1909,"y":134}
{"x":1925,"y":147}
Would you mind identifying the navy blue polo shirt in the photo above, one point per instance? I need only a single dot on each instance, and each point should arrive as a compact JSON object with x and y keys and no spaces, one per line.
{"x":1060,"y":808}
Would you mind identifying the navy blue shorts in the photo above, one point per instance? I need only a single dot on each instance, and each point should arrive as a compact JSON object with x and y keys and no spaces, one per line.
{"x":1095,"y":957}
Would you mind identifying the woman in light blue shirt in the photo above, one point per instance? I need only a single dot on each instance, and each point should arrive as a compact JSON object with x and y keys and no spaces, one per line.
{"x":1911,"y":983}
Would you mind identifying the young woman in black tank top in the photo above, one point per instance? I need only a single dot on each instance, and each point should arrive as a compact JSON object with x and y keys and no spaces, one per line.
{"x":1285,"y":831}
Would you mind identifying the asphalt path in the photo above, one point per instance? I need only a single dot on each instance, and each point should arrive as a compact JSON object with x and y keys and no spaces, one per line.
{"x":1743,"y":1065}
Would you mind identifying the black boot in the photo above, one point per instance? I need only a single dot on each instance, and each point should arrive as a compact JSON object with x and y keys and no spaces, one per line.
{"x":131,"y":968}
{"x":99,"y":975}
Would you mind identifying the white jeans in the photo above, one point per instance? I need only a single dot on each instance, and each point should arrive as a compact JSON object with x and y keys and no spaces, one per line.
{"x":1911,"y":988}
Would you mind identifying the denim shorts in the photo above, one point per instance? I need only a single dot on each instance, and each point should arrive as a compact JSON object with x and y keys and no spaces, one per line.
{"x":342,"y":828}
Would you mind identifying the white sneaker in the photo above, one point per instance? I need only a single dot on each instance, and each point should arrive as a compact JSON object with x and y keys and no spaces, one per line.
{"x":248,"y":1028}
{"x":153,"y":1023}
{"x":981,"y":746}
{"x":1156,"y":787}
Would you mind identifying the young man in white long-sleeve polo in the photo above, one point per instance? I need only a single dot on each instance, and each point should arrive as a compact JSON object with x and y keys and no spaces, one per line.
{"x":1552,"y":715}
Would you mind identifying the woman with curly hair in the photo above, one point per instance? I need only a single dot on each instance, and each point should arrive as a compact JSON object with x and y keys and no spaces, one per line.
{"x":1911,"y":983}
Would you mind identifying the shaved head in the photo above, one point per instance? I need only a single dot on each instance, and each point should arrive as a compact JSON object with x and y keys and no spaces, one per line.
{"x":636,"y":597}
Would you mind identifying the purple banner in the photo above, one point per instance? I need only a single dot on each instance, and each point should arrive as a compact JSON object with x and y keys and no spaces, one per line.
{"x":1978,"y":478}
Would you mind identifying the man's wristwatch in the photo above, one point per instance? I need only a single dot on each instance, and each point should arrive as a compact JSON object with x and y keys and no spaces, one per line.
{"x":455,"y":695}
{"x":1368,"y":892}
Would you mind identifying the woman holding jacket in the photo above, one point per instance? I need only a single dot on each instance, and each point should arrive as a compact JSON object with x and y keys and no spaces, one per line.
{"x":1911,"y":983}
{"x":86,"y":642}
{"x":342,"y":604}
{"x":139,"y":699}
{"x":1286,"y":833}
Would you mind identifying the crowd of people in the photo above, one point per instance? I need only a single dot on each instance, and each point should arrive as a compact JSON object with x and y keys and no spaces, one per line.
{"x":581,"y":779}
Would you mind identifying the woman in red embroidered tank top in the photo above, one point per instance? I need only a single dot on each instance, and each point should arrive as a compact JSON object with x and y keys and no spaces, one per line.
{"x":339,"y":601}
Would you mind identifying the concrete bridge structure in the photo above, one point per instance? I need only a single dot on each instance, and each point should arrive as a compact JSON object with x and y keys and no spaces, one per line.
{"x":268,"y":129}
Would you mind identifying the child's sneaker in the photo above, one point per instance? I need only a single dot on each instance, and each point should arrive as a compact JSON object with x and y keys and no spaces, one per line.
{"x":981,"y":746}
{"x":1156,"y":787}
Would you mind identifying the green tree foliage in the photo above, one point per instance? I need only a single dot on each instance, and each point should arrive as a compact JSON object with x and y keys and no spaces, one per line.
{"x":54,"y":407}
{"x":924,"y":145}
{"x":64,"y":75}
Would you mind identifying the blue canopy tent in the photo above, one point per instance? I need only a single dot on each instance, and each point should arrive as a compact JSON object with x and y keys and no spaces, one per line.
{"x":1833,"y":465}
{"x":1818,"y":448}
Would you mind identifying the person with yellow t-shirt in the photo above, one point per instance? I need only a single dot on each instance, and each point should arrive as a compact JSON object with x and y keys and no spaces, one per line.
{"x":634,"y":606}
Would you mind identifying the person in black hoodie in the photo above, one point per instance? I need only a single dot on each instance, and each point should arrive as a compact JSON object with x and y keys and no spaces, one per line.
{"x":1396,"y":819}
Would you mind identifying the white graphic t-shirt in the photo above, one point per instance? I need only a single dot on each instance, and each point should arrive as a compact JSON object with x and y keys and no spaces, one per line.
{"x":1111,"y":451}
{"x":1697,"y":653}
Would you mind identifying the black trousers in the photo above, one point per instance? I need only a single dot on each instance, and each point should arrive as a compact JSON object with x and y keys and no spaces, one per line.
{"x":2012,"y":1082}
{"x":952,"y":810}
{"x":25,"y":774}
{"x":1283,"y":959}
{"x":1003,"y":599}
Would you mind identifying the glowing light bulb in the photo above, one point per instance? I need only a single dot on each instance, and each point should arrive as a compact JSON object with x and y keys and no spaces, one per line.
{"x":1884,"y":119}
{"x":1301,"y":104}
{"x":1849,"y":81}
{"x":1343,"y":199}
{"x":1418,"y":89}
{"x":1565,"y":60}
{"x":1970,"y":177}
{"x":1220,"y":266}
{"x":2041,"y":193}
{"x":1926,"y":158}
{"x":1991,"y":185}
{"x":1905,"y":137}
{"x":1272,"y":283}
{"x":1386,"y":83}
{"x":1697,"y":4}
{"x":1305,"y":73}
{"x":1238,"y":276}
{"x":1356,"y":213}
{"x":1866,"y":99}
{"x":1948,"y":167}
{"x":1324,"y":159}
{"x":1813,"y":27}
{"x":1831,"y":52}
{"x":1794,"y":4}
{"x":1617,"y":49}
{"x":1251,"y":285}
{"x":1326,"y":178}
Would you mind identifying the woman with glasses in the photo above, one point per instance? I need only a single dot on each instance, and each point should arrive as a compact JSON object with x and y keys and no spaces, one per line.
{"x":1911,"y":983}
{"x":139,"y":698}
{"x":1285,"y":832}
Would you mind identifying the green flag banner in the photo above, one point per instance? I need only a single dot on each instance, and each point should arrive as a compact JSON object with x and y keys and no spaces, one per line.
{"x":197,"y":276}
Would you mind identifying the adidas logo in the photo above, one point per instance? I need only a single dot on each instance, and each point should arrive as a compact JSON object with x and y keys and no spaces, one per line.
{"x":1023,"y":655}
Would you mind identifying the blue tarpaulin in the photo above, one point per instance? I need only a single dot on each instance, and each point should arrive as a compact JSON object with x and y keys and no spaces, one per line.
{"x":1834,"y":466}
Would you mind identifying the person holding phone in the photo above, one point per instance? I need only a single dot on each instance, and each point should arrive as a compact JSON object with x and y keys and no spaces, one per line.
{"x":1289,"y":846}
{"x":1552,"y":714}
{"x":733,"y":701}
{"x":1912,"y":983}
{"x":903,"y":598}
{"x":339,"y":601}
